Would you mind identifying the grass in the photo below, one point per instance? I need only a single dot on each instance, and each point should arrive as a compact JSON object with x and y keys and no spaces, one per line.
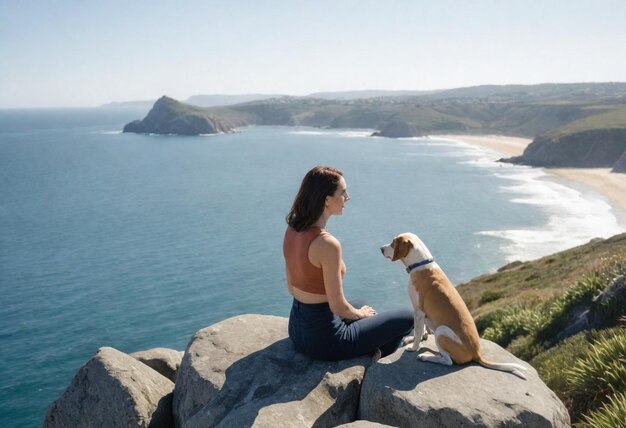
{"x":613,"y":119}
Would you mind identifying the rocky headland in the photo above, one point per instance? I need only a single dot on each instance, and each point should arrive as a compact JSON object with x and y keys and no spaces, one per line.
{"x":169,"y":116}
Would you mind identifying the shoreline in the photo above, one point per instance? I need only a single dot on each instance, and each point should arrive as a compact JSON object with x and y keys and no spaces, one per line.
{"x":612,"y":186}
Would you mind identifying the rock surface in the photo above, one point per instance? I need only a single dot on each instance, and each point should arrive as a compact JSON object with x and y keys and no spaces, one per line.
{"x":401,"y":391}
{"x":113,"y":390}
{"x":244,"y":371}
{"x":163,"y":360}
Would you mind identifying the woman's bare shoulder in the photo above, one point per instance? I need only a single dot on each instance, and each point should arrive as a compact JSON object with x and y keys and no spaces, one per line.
{"x":327,"y":240}
{"x":324,"y":247}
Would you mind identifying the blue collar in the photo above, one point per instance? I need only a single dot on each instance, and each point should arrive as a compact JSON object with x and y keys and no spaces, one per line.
{"x":418,"y":264}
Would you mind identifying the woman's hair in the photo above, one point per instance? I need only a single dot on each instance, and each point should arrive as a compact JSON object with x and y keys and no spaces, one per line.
{"x":309,"y":204}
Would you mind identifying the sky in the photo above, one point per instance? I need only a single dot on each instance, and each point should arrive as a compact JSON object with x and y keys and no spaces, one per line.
{"x":75,"y":53}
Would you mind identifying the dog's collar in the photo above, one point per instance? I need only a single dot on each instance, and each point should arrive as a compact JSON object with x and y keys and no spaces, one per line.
{"x":418,"y":264}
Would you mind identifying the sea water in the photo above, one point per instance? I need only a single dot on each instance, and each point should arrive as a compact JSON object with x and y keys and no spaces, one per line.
{"x":138,"y":241}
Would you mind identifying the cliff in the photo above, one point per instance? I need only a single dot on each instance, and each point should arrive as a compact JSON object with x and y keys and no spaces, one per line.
{"x":595,"y":148}
{"x":169,"y":116}
{"x":595,"y":141}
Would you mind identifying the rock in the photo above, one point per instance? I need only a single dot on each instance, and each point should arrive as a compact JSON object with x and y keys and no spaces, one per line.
{"x":244,"y":371}
{"x":113,"y":390}
{"x":402,"y":391}
{"x":163,"y":360}
{"x":397,"y":129}
{"x":607,"y":306}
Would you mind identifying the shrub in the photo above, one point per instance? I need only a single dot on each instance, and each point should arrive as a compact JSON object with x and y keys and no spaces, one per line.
{"x":610,"y":415}
{"x":525,"y":347}
{"x":490,"y":296}
{"x":511,"y":323}
{"x":600,"y":373}
{"x":550,"y":363}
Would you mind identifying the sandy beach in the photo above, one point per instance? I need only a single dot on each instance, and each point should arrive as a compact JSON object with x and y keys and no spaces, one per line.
{"x":611,"y":185}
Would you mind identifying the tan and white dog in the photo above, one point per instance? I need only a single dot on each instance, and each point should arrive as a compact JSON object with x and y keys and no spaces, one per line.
{"x":439,"y":307}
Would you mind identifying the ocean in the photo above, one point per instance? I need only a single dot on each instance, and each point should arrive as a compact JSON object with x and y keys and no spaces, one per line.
{"x":138,"y":241}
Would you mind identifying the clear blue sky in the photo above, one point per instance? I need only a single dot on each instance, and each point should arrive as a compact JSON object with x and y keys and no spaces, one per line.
{"x":86,"y":53}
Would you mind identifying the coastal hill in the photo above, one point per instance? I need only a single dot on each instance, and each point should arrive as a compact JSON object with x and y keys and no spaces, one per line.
{"x":169,"y":116}
{"x":579,"y":124}
{"x":594,"y":141}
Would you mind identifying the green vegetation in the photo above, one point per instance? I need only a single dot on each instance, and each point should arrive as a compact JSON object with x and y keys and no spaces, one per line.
{"x":604,"y":117}
{"x":546,"y":312}
{"x":610,"y":415}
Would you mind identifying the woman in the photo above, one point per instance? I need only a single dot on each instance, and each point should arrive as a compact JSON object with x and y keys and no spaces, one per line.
{"x":322,"y":323}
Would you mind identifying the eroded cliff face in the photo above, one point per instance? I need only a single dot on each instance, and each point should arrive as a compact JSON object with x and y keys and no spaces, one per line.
{"x":596,"y":148}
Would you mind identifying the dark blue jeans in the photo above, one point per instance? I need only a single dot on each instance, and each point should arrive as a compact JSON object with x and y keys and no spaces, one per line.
{"x":320,"y":334}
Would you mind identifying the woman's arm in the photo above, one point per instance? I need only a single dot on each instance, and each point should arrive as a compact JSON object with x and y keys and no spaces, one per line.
{"x":326,"y":250}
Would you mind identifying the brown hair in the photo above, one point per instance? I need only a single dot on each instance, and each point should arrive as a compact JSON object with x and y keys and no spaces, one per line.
{"x":317,"y":184}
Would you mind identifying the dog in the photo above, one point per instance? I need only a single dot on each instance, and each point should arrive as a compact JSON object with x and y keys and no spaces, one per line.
{"x":439,"y":308}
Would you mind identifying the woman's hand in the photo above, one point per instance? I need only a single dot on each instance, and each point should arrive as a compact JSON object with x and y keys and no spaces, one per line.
{"x":366,"y":311}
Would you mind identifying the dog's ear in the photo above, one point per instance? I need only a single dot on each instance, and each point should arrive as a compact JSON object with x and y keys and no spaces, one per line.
{"x":401,"y":247}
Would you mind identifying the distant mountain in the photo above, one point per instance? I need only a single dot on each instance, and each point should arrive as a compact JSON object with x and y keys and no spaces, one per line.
{"x":355,"y":95}
{"x":226,"y":100}
{"x":143,"y":104}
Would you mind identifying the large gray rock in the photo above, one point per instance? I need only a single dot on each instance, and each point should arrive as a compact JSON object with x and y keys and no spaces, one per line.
{"x":402,"y":391}
{"x":244,"y":371}
{"x":163,"y":360}
{"x":113,"y":390}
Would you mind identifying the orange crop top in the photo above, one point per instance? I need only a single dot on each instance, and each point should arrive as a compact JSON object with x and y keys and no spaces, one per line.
{"x":304,"y":276}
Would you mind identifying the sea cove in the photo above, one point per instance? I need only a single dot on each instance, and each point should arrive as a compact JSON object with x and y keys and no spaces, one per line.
{"x":137,"y":241}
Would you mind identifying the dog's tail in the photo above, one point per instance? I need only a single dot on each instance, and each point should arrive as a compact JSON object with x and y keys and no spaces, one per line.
{"x":516,"y":369}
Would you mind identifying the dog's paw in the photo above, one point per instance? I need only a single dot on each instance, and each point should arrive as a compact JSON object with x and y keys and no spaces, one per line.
{"x":426,"y":356}
{"x":408,"y":339}
{"x":412,"y":347}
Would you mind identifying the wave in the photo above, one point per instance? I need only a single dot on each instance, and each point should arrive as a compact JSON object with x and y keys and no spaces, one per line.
{"x":114,"y":132}
{"x":574,"y":217}
{"x":347,"y":134}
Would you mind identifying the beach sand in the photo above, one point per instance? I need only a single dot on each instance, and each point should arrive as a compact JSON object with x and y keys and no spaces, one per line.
{"x":601,"y":180}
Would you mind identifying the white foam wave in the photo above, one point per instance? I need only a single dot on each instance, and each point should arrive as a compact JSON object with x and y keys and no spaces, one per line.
{"x":115,"y":132}
{"x":308,"y":133}
{"x":346,"y":134}
{"x":573,"y":218}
